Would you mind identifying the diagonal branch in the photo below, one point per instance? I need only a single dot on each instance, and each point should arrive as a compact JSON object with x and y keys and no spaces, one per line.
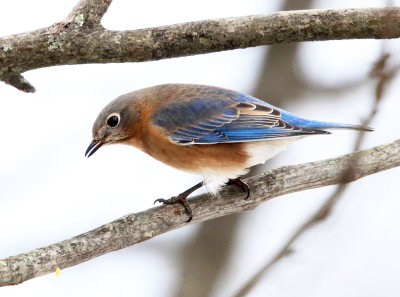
{"x":80,"y":38}
{"x":385,"y":76}
{"x":135,"y":228}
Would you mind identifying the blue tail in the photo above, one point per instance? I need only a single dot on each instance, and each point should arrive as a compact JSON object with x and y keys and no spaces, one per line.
{"x":303,"y":123}
{"x":299,"y":122}
{"x":327,"y":125}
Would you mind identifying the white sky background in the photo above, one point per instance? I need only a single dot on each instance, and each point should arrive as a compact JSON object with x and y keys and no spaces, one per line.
{"x":50,"y":192}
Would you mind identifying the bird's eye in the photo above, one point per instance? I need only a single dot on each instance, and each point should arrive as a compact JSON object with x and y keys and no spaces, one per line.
{"x":112,"y":120}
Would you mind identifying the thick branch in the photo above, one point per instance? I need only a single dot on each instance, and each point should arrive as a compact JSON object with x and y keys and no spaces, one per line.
{"x":80,"y":38}
{"x":135,"y":228}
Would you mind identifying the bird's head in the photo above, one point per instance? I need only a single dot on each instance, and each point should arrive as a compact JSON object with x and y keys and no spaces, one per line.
{"x":115,"y":123}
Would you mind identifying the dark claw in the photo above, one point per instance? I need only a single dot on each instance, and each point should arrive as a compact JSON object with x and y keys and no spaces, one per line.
{"x":238,"y":182}
{"x":178,"y":199}
{"x":182,"y":199}
{"x":164,"y":201}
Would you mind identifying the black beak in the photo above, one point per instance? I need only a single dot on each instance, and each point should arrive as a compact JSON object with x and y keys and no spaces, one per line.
{"x":93,"y":147}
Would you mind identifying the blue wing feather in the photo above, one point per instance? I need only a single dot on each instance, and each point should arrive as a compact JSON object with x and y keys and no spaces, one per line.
{"x":217,"y":115}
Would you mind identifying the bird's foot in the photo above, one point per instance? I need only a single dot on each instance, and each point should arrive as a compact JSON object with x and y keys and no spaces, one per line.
{"x":238,"y":182}
{"x":182,"y":199}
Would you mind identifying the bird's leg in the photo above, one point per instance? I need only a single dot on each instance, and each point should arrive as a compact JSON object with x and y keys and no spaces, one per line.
{"x":241,"y":184}
{"x":182,"y":199}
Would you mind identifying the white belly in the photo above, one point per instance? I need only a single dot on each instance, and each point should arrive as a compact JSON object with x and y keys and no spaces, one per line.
{"x":259,"y":152}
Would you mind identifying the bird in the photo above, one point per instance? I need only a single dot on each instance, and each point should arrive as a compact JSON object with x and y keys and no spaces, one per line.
{"x":211,"y":131}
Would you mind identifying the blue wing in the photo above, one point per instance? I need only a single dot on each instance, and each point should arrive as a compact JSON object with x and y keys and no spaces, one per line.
{"x":215,"y":115}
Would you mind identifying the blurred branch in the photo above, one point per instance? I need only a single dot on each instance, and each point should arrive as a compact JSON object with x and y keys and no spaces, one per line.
{"x":210,"y":249}
{"x":282,"y":60}
{"x":384,"y":76}
{"x":135,"y":228}
{"x":81,"y":39}
{"x":205,"y":257}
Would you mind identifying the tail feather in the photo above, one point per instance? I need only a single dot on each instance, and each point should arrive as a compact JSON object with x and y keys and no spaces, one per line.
{"x":327,"y":125}
{"x":304,"y":123}
{"x":353,"y":127}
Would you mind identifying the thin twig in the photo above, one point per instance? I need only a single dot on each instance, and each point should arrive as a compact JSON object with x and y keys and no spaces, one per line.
{"x":135,"y":228}
{"x":384,"y":76}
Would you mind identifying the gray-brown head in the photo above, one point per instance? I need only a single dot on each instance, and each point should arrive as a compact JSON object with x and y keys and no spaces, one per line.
{"x":115,"y":123}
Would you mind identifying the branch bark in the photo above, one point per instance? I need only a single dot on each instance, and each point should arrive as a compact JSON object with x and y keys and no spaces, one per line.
{"x":385,"y":76}
{"x":81,"y":39}
{"x":135,"y":228}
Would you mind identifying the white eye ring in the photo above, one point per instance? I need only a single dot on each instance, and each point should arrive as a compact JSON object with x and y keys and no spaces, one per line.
{"x":113,"y":120}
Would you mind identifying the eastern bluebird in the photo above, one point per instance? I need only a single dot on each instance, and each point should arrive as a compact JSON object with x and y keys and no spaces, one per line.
{"x":211,"y":131}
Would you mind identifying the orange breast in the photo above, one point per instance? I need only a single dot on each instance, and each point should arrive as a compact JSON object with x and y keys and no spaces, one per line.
{"x":194,"y":158}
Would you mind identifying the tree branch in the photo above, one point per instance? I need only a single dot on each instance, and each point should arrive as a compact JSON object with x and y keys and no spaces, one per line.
{"x":135,"y":228}
{"x":90,"y":12}
{"x":81,"y":39}
{"x":385,"y":76}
